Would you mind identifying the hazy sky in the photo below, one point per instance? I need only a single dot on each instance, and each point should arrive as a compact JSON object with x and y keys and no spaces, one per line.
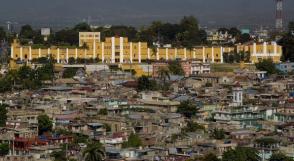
{"x":141,"y":12}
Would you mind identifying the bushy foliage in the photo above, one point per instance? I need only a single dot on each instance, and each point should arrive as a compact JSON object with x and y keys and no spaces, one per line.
{"x":218,"y":134}
{"x":3,"y":114}
{"x":175,"y":67}
{"x":188,"y":109}
{"x":44,"y":123}
{"x":241,"y":154}
{"x":287,"y":43}
{"x":4,"y":149}
{"x":144,"y":83}
{"x":192,"y":127}
{"x":69,"y":72}
{"x":267,"y":65}
{"x":185,"y":33}
{"x":280,"y":157}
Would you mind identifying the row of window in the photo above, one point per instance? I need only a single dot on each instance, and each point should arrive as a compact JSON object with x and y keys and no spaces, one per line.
{"x":89,"y":35}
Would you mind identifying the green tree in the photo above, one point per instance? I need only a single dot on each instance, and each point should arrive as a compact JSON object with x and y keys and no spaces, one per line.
{"x":26,"y":32}
{"x":210,"y":157}
{"x":11,"y":37}
{"x":103,"y":111}
{"x":244,"y":38}
{"x":4,"y":149}
{"x":188,"y":109}
{"x":69,"y":72}
{"x":266,"y":65}
{"x":42,"y":60}
{"x":120,"y":30}
{"x":146,"y":35}
{"x":12,"y":76}
{"x":5,"y":85}
{"x":38,"y":38}
{"x":226,"y":57}
{"x":175,"y":67}
{"x":192,"y":127}
{"x":65,"y":37}
{"x":107,"y":127}
{"x":234,"y":32}
{"x":29,"y":78}
{"x":218,"y":134}
{"x":26,"y":78}
{"x":168,"y":33}
{"x":190,"y":31}
{"x":280,"y":157}
{"x":3,"y":35}
{"x":231,"y":57}
{"x":208,"y":84}
{"x":134,"y":141}
{"x":3,"y":114}
{"x":186,"y":33}
{"x":163,"y":74}
{"x":144,"y":83}
{"x":44,"y":123}
{"x":46,"y":72}
{"x":241,"y":154}
{"x":71,"y":60}
{"x":59,"y":155}
{"x":287,"y":42}
{"x":244,"y":56}
{"x":202,"y":36}
{"x":94,"y":152}
{"x":24,"y":72}
{"x":82,"y":27}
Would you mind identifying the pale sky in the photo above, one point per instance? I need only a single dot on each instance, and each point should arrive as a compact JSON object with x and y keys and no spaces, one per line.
{"x":141,"y":12}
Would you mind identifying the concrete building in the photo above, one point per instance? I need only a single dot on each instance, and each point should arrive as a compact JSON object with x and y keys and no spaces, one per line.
{"x":89,"y":38}
{"x":199,"y":68}
{"x":120,"y":50}
{"x":260,"y":51}
{"x":237,"y":96}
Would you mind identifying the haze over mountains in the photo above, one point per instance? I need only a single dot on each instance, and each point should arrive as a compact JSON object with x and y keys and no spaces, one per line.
{"x":141,"y":12}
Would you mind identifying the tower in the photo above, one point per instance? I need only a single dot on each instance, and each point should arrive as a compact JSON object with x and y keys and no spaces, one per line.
{"x":279,"y":14}
{"x":8,"y":26}
{"x":237,"y":95}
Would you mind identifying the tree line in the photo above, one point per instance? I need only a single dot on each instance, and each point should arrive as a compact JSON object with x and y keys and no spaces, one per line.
{"x":287,"y":42}
{"x":186,"y":33}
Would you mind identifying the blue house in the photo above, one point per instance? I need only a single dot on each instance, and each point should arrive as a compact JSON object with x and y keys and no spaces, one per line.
{"x":285,"y":67}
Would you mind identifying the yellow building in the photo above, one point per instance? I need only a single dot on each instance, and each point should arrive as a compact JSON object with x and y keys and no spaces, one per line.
{"x":262,"y":51}
{"x":89,"y":38}
{"x":120,"y":50}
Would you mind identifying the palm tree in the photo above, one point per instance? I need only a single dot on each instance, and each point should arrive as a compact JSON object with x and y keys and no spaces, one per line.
{"x":94,"y":152}
{"x":163,"y":73}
